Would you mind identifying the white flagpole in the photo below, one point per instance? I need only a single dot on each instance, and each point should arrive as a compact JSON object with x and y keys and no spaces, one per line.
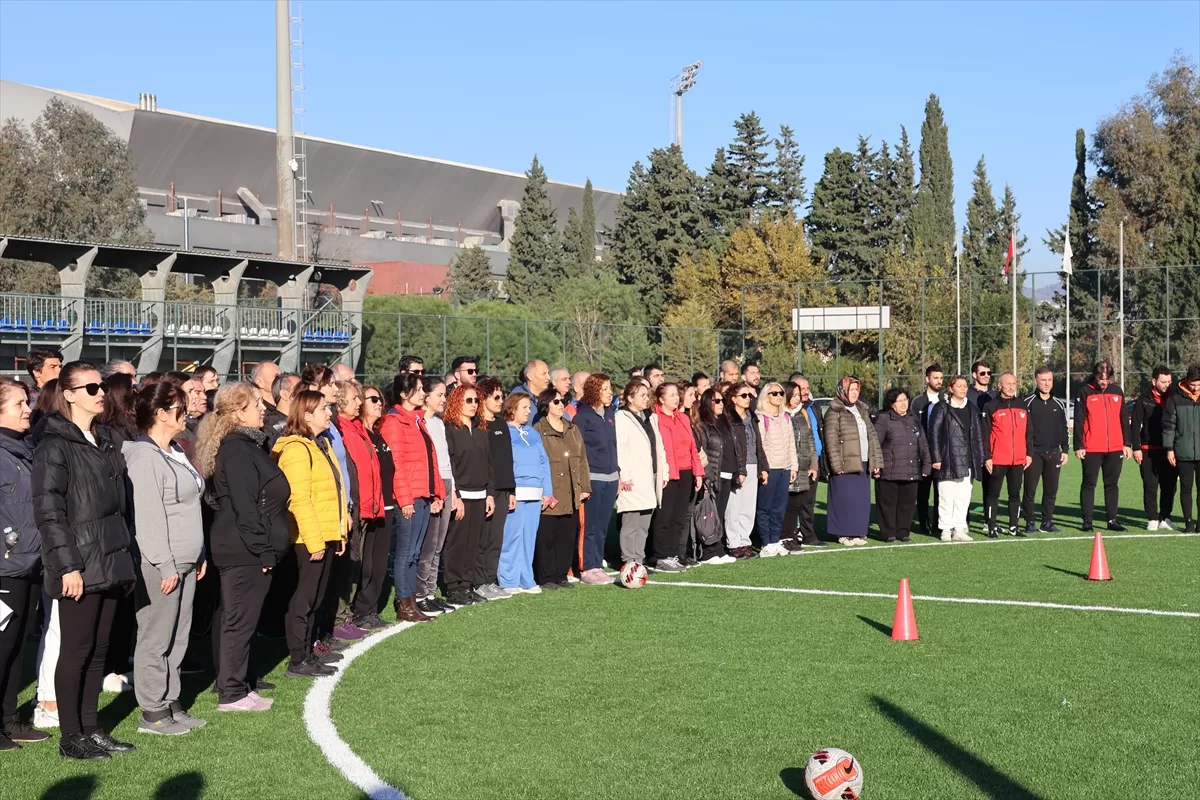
{"x":1121,"y":332}
{"x":1068,"y":269}
{"x":1012,"y":277}
{"x":958,"y":303}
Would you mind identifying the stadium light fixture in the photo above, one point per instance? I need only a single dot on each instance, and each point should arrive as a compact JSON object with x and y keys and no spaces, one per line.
{"x":680,"y":84}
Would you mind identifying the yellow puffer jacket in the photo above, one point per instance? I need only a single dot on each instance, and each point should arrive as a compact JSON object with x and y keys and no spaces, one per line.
{"x":317,"y":507}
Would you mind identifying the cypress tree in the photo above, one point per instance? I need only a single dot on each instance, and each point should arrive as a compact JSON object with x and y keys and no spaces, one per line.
{"x":903,"y":188}
{"x":534,"y":257}
{"x":785,"y":192}
{"x":576,"y":259}
{"x":933,"y":214}
{"x":587,"y":218}
{"x":834,"y":225}
{"x":982,"y":240}
{"x":719,"y":202}
{"x":751,"y":169}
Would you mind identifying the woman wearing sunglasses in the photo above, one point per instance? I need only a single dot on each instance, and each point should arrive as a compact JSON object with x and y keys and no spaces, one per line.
{"x":473,"y":500}
{"x":672,"y":522}
{"x":779,"y":445}
{"x":374,"y":539}
{"x":534,"y":493}
{"x":716,"y":441}
{"x":852,"y":447}
{"x":439,"y":524}
{"x":374,"y":405}
{"x":504,"y":482}
{"x":169,"y":534}
{"x":417,"y":484}
{"x":79,"y":506}
{"x":558,"y":528}
{"x":743,"y":497}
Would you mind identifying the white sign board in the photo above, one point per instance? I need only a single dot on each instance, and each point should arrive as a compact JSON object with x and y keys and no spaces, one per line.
{"x":842,"y":318}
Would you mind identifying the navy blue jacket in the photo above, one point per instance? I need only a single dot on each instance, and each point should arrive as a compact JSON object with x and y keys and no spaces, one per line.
{"x":599,"y":438}
{"x":24,"y":560}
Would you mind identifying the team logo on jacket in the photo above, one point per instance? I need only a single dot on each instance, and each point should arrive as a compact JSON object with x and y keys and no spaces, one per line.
{"x":1021,"y":414}
{"x":1116,"y":399}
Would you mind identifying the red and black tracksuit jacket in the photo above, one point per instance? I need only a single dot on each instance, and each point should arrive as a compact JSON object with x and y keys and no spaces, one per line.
{"x":1007,"y":431}
{"x":1101,"y":422}
{"x":1146,"y":424}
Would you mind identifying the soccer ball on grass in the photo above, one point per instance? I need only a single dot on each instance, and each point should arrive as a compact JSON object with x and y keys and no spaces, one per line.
{"x":833,"y":774}
{"x":633,"y":575}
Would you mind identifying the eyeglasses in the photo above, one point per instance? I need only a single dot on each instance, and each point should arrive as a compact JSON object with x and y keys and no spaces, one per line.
{"x":774,"y":394}
{"x":92,"y":389}
{"x":716,"y":401}
{"x":984,"y":373}
{"x":558,"y":401}
{"x":471,"y":401}
{"x":471,"y":371}
{"x":417,"y":372}
{"x":746,"y":396}
{"x":498,"y":396}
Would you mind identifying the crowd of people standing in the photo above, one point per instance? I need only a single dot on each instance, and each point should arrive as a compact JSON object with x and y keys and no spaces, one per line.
{"x":297,"y":497}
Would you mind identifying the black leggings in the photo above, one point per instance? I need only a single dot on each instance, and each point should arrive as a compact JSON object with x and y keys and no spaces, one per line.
{"x":86,"y":627}
{"x":669,"y":529}
{"x":466,"y":556}
{"x":717,"y":548}
{"x":554,"y":548}
{"x":376,"y":548}
{"x":1187,"y":479}
{"x":311,"y":583}
{"x":21,"y":595}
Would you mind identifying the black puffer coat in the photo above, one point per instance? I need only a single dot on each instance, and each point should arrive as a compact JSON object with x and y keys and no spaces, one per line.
{"x":16,"y":507}
{"x":712,"y":444}
{"x":959,"y":451}
{"x":79,"y":506}
{"x":251,"y":494}
{"x":905,"y":453}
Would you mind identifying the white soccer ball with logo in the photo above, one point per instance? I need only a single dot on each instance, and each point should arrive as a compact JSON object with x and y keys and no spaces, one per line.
{"x":833,"y":774}
{"x":633,"y":575}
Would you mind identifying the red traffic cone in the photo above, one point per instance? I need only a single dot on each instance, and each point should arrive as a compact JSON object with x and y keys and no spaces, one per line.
{"x":904,"y":624}
{"x":1099,"y":569}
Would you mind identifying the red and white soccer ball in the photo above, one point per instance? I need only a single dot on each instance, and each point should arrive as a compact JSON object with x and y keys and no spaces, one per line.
{"x":633,"y":575}
{"x":833,"y":774}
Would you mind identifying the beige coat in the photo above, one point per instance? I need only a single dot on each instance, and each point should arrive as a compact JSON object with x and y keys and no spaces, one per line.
{"x":841,"y":440}
{"x":634,"y":463}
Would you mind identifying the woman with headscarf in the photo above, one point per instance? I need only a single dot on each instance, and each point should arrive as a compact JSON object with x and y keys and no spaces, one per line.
{"x":852,"y":446}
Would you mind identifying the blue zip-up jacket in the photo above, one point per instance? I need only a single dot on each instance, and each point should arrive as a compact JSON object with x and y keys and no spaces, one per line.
{"x":599,"y":438}
{"x":531,"y":465}
{"x":339,"y":450}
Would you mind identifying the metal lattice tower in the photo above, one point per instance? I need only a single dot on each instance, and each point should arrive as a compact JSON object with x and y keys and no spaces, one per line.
{"x":296,"y":35}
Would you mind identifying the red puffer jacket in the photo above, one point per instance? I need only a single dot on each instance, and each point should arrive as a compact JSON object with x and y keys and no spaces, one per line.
{"x":676,"y":431}
{"x":362,"y":452}
{"x":417,"y":472}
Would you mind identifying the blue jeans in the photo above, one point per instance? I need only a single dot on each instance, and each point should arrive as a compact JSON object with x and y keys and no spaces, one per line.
{"x":406,"y":552}
{"x":520,"y":536}
{"x":597,"y":513}
{"x":772,"y":502}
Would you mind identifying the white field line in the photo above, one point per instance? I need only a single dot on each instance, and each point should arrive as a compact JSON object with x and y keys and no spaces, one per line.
{"x":967,"y":600}
{"x":324,"y":733}
{"x":835,"y":548}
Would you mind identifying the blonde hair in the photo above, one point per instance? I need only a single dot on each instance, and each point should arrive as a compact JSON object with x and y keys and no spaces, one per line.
{"x":761,"y":407}
{"x":231,"y":398}
{"x":346,"y":390}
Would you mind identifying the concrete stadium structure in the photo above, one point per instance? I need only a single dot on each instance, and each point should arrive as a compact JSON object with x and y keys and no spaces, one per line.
{"x":210,"y":185}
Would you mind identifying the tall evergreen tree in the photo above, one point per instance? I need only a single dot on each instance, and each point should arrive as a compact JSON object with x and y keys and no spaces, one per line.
{"x":892,"y":200}
{"x":983,"y":242}
{"x":578,"y":248}
{"x":587,"y":218}
{"x":835,"y":226}
{"x":751,"y":167}
{"x":658,"y":221}
{"x":903,"y":188}
{"x":471,"y":277}
{"x":534,"y":255}
{"x":1008,"y":220}
{"x":933,"y":214}
{"x":720,"y":204}
{"x":786,"y":189}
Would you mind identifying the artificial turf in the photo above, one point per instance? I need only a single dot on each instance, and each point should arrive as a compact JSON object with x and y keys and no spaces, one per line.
{"x":684,"y":692}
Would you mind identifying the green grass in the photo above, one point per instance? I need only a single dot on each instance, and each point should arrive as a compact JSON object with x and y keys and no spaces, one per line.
{"x":681,"y":692}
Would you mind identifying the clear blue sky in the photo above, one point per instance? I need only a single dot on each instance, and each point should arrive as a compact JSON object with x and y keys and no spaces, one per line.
{"x":585,"y":86}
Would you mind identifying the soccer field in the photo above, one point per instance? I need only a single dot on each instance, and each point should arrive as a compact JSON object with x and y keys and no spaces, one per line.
{"x":721,"y":685}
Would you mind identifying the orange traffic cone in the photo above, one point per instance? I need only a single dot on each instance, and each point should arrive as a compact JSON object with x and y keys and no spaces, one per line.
{"x":1099,"y":569}
{"x":904,"y":624}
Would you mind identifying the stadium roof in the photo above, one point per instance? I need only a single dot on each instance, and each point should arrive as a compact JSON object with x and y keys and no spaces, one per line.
{"x":201,"y":155}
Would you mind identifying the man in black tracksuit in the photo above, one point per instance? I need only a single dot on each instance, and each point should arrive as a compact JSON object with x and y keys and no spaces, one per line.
{"x":1146,"y":429}
{"x":1049,"y":446}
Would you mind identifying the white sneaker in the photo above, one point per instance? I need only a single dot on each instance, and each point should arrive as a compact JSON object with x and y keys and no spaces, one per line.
{"x":728,"y":559}
{"x":44,"y":718}
{"x":768,"y":551}
{"x":572,"y":579}
{"x":946,"y":535}
{"x":531,"y":590}
{"x":1165,"y":525}
{"x":1152,"y":525}
{"x":714,"y":560}
{"x":961,"y":535}
{"x":116,"y":683}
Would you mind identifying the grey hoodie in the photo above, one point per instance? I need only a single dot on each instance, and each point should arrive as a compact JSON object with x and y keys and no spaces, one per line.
{"x":167,"y":527}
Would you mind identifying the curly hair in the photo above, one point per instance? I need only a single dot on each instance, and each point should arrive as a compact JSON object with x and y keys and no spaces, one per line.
{"x":456,"y":405}
{"x":591,"y":389}
{"x":231,"y":398}
{"x":346,"y":390}
{"x":487,"y":386}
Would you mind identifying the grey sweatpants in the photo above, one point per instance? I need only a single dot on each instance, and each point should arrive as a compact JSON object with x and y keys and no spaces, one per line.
{"x":164,"y":623}
{"x":435,"y":539}
{"x":635,"y":527}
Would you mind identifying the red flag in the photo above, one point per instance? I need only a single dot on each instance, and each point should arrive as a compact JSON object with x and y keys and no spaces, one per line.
{"x":1008,"y":259}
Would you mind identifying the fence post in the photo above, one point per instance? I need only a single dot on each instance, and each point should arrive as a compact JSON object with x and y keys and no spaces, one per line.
{"x":399,"y":338}
{"x":923,"y":360}
{"x":526,"y":342}
{"x":444,"y":354}
{"x":1168,"y":315}
{"x":742,"y":292}
{"x":879,"y":390}
{"x":600,"y":347}
{"x":1099,"y":315}
{"x":487,"y":332}
{"x":971,"y":316}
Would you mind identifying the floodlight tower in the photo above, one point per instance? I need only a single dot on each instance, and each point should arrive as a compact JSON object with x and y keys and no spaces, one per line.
{"x":685,"y":80}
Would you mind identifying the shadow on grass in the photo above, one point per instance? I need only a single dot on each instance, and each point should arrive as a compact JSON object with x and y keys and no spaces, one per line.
{"x":184,"y":786}
{"x":886,"y":630}
{"x":991,"y":781}
{"x":793,"y":780}
{"x":81,"y":787}
{"x":1074,"y":573}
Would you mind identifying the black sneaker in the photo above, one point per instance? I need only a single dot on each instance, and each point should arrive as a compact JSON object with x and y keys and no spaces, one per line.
{"x":822,"y":543}
{"x":336,"y":645}
{"x":477,"y":596}
{"x":426,"y":606}
{"x":1115,"y":525}
{"x":7,"y":745}
{"x":886,"y":539}
{"x":1050,"y":527}
{"x":689,"y":562}
{"x":81,"y":748}
{"x":108,"y":744}
{"x":263,"y":686}
{"x":991,"y":533}
{"x":549,"y":586}
{"x":309,"y":669}
{"x":22,"y":733}
{"x":442,"y":604}
{"x":327,"y":657}
{"x":461,"y":597}
{"x":1087,"y":527}
{"x":902,"y":538}
{"x":564,"y":585}
{"x":1189,"y":526}
{"x":1031,"y":527}
{"x":1015,"y":530}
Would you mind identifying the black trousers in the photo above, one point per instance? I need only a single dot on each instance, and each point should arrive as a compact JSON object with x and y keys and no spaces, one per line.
{"x":895,"y":501}
{"x":21,"y":595}
{"x":554,"y":548}
{"x":466,"y":556}
{"x":669,"y":528}
{"x":120,"y":646}
{"x":86,"y":628}
{"x":1046,"y":468}
{"x":333,"y":608}
{"x":800,"y":511}
{"x":717,"y":548}
{"x":312,"y":580}
{"x":1015,"y":476}
{"x":376,"y":547}
{"x":243,"y":590}
{"x":926,"y":513}
{"x":1158,"y":485}
{"x":1187,"y":479}
{"x":687,"y":531}
{"x":491,"y":541}
{"x":1093,"y":463}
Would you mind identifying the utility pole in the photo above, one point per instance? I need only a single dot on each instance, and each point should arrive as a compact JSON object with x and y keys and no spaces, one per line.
{"x":285,"y":163}
{"x":685,"y":80}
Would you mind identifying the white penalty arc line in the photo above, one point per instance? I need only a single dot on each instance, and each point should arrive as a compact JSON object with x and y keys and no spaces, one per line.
{"x":324,"y":734}
{"x":967,"y":600}
{"x":814,"y":551}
